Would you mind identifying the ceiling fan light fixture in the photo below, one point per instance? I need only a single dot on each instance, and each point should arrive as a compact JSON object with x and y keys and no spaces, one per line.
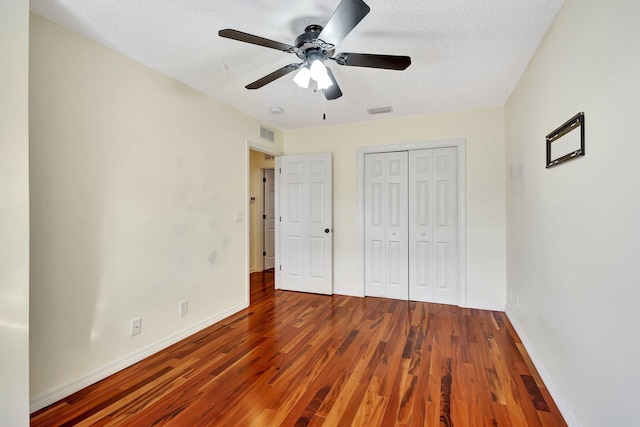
{"x":320,"y":75}
{"x":302,"y":77}
{"x":317,"y":70}
{"x":324,"y":81}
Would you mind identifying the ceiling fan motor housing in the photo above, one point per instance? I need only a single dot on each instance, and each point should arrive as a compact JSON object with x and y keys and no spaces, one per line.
{"x":308,"y":43}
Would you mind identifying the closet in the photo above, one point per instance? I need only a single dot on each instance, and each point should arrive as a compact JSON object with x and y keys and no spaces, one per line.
{"x":411,"y":225}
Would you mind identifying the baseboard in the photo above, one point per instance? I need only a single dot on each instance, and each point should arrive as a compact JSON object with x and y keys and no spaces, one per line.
{"x":562,"y":405}
{"x":63,"y":391}
{"x":489,"y":307}
{"x":348,"y":293}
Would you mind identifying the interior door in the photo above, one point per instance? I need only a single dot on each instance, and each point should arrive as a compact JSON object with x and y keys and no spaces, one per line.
{"x":433,"y":225}
{"x":269,"y":220}
{"x":386,"y":225}
{"x":306,"y":235}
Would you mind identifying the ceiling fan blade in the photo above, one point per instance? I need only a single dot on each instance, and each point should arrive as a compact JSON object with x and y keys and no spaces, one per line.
{"x":273,"y":76}
{"x":388,"y":62}
{"x":250,"y":38}
{"x":344,"y":19}
{"x":333,"y":91}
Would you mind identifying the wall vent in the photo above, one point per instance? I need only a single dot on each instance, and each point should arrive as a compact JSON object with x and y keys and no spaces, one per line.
{"x":379,"y":110}
{"x":267,"y":134}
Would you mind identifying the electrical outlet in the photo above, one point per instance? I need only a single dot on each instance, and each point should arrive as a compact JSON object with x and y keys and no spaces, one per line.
{"x":184,"y":308}
{"x":136,"y":326}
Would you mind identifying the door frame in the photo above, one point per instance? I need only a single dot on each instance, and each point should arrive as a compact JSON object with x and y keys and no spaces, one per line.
{"x":256,"y":146}
{"x":460,"y":144}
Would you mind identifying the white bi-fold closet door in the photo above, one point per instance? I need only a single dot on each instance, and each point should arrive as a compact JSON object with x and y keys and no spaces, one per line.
{"x":411,"y":225}
{"x":386,"y":225}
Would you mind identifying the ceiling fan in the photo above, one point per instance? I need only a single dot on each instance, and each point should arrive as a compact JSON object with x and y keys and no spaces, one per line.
{"x":317,"y":45}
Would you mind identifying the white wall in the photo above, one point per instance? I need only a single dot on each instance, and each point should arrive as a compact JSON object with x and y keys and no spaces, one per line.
{"x":135,"y":181}
{"x":486,"y":229}
{"x":257,"y":163}
{"x":14,"y":213}
{"x":573,"y":230}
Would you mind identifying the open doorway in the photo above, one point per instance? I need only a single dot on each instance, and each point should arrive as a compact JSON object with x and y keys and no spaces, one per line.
{"x":261,"y":225}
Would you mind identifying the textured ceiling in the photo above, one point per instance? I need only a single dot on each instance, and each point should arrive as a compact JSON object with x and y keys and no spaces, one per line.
{"x":466,"y":54}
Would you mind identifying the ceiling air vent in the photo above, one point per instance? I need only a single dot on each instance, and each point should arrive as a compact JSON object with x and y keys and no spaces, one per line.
{"x":267,"y":134}
{"x":379,"y":110}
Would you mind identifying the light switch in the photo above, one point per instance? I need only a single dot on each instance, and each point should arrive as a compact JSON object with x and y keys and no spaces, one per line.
{"x":239,"y":216}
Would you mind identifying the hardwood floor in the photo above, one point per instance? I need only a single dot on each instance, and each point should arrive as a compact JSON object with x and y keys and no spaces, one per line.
{"x":295,"y":359}
{"x":262,"y":285}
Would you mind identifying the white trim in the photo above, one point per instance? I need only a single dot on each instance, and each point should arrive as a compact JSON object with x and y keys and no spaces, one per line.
{"x":361,"y":247}
{"x":346,"y":292}
{"x":247,"y":222}
{"x":462,"y":221}
{"x":63,"y":391}
{"x":486,"y":307}
{"x":276,"y":267}
{"x":460,"y":144}
{"x":562,"y":405}
{"x":256,"y":146}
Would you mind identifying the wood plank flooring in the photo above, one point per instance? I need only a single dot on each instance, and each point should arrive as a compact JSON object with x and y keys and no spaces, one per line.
{"x":262,"y":285}
{"x":295,"y":359}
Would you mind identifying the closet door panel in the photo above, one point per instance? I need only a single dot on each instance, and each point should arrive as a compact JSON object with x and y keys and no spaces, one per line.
{"x":375,"y":224}
{"x":433,"y":225}
{"x":386,"y":225}
{"x":445,"y":232}
{"x":421,"y":268}
{"x":397,"y":226}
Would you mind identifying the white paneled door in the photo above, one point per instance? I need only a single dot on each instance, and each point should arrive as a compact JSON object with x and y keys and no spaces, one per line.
{"x":433,"y":225}
{"x":269,"y":220}
{"x":386,"y":225}
{"x":306,"y":223}
{"x":411,"y":225}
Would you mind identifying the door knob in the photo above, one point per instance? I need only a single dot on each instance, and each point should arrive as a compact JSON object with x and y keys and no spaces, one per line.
{"x":326,"y":230}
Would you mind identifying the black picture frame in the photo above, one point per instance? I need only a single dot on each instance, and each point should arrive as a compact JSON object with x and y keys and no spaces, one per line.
{"x":569,"y":152}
